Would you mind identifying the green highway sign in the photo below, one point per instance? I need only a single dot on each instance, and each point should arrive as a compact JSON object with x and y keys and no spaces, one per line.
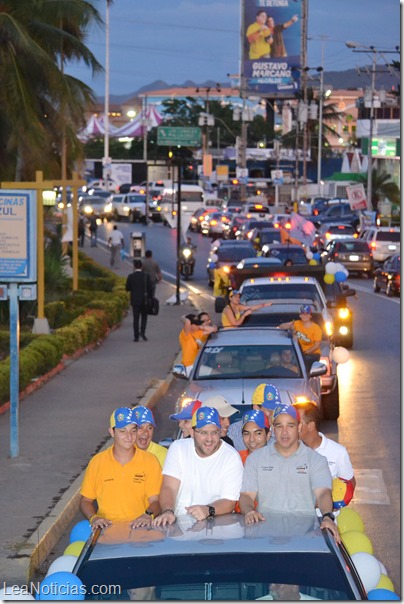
{"x":172,"y":136}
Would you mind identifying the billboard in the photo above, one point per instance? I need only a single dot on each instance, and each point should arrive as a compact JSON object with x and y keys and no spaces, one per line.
{"x":271,"y":52}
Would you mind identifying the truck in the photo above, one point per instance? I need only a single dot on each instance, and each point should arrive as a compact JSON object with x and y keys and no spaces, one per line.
{"x":131,"y":206}
{"x":192,"y":198}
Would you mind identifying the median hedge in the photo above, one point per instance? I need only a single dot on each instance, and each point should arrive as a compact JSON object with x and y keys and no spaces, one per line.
{"x":81,"y":319}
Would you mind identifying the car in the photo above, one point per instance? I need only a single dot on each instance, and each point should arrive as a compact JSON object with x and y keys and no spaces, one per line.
{"x":154,"y":204}
{"x":96,"y":206}
{"x":257,"y":262}
{"x":213,"y":224}
{"x":388,"y":276}
{"x":307,"y":207}
{"x":264,"y":237}
{"x":292,"y":254}
{"x":251,"y":224}
{"x":258,"y":211}
{"x":340,"y":213}
{"x":234,"y":361}
{"x":198,"y":216}
{"x":229,"y":253}
{"x":330,"y":231}
{"x":285,"y":556}
{"x":354,"y":254}
{"x":383,"y":241}
{"x":232,"y":229}
{"x":131,"y":206}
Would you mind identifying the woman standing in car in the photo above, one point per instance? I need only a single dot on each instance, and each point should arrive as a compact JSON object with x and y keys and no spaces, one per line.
{"x":234,"y":313}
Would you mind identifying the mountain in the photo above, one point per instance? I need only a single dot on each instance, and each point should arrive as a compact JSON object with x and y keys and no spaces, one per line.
{"x":350,"y":79}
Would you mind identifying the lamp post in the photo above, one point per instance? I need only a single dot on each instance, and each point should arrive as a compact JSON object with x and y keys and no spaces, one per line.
{"x":106,"y":162}
{"x":356,"y":47}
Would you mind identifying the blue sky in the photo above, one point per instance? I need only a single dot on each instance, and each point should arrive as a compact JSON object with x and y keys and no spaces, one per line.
{"x":199,"y":40}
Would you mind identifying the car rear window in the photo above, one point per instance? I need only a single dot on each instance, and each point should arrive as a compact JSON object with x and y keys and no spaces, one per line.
{"x":388,"y":236}
{"x":353,"y":246}
{"x":341,"y":229}
{"x":235,"y":254}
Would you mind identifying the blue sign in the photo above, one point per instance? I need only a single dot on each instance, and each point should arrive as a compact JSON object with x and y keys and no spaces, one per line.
{"x":18,"y":240}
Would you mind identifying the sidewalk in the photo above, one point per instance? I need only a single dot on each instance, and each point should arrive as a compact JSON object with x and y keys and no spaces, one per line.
{"x":65,"y":422}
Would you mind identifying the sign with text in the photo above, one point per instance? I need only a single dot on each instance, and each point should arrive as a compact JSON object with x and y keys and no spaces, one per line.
{"x":18,"y":236}
{"x":356,"y":197}
{"x":173,"y":136}
{"x":271,"y":46}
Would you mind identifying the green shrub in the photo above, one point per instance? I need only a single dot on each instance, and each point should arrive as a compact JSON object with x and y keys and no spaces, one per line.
{"x":72,"y":338}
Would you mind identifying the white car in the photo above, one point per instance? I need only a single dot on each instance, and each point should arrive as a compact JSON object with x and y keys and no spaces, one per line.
{"x":383,"y":241}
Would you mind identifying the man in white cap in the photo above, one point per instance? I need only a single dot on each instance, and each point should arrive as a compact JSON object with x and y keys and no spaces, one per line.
{"x":123,"y":482}
{"x":298,"y":477}
{"x":225,"y":411}
{"x":201,"y":475}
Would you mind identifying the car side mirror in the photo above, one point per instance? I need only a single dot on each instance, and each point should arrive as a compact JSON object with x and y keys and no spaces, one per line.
{"x":349,"y":292}
{"x":317,"y":369}
{"x":180,"y":371}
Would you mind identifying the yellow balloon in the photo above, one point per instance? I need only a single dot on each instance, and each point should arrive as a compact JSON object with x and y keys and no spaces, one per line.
{"x":349,"y":520}
{"x":355,"y":542}
{"x":328,"y":278}
{"x":385,"y":583}
{"x":74,"y":549}
{"x":313,"y":262}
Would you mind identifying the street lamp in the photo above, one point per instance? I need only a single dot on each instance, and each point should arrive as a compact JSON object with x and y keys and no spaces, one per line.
{"x":106,"y":161}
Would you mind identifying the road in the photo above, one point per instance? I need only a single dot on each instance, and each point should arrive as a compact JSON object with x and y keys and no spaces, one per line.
{"x":370,"y":420}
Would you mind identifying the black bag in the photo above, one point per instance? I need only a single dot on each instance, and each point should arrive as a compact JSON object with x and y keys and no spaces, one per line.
{"x":153,"y":306}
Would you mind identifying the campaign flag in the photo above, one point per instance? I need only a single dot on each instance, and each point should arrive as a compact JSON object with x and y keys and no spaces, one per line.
{"x":301,"y":229}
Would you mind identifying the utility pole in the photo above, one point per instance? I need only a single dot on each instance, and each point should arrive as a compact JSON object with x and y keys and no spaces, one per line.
{"x":304,"y":83}
{"x":106,"y":162}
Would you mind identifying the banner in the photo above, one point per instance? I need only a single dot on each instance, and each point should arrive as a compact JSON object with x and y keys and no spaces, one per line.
{"x":271,"y":46}
{"x":356,"y":197}
{"x":301,"y":229}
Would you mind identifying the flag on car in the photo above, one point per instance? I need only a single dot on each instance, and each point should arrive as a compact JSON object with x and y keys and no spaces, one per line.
{"x":302,"y":229}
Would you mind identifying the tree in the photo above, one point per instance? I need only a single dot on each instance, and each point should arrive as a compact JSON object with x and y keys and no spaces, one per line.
{"x":382,"y":187}
{"x":38,"y":100}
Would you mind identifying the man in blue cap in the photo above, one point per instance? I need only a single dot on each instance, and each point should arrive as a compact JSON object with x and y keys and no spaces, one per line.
{"x":184,"y":418}
{"x":146,"y":424}
{"x":308,"y":333}
{"x":202,"y":475}
{"x":287,"y":476}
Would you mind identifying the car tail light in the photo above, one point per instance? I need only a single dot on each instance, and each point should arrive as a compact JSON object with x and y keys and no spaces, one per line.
{"x":373,"y":245}
{"x":356,"y":235}
{"x":258,"y":207}
{"x":328,"y":235}
{"x":336,"y":255}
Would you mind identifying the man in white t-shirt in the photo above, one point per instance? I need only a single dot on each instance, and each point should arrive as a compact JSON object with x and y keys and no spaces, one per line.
{"x":337,"y":456}
{"x":116,"y":242}
{"x":202,"y":475}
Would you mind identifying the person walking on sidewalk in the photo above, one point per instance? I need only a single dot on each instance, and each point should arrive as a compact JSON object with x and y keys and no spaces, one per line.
{"x":123,"y":482}
{"x":93,"y":226}
{"x":81,"y":230}
{"x":152,"y":268}
{"x":116,"y":242}
{"x":139,"y":285}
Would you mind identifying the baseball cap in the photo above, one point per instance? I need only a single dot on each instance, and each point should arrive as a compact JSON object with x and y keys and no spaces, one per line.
{"x":187,"y":411}
{"x":257,"y":417}
{"x":233,"y":292}
{"x":266,"y":395}
{"x":205,"y":416}
{"x":143,"y":415}
{"x":221,"y":405}
{"x":306,"y":308}
{"x":288,"y":410}
{"x":121,"y":417}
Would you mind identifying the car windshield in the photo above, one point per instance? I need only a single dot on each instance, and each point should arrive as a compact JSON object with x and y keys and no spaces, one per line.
{"x":226,"y":576}
{"x":235,"y":254}
{"x":270,"y":236}
{"x":388,"y":236}
{"x":136,"y":198}
{"x":283,"y":290}
{"x":269,"y":361}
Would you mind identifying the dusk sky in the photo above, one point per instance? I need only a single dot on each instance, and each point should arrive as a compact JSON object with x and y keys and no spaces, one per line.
{"x":199,"y":40}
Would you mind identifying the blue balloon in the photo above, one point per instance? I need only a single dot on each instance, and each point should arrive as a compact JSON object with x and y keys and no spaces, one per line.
{"x":340,"y":276}
{"x":80,"y":532}
{"x":382,"y":594}
{"x":61,"y":586}
{"x":316,"y":256}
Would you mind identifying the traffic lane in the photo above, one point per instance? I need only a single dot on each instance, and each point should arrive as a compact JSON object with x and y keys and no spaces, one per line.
{"x":370,"y":421}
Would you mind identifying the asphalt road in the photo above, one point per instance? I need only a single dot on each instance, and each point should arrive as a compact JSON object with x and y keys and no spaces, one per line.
{"x":370,"y":420}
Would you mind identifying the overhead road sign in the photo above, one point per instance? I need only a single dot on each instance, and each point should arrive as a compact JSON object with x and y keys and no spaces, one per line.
{"x":172,"y":136}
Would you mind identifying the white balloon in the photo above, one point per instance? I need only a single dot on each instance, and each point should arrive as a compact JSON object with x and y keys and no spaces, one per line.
{"x":309,"y":255}
{"x":14,"y":593}
{"x":214,"y":257}
{"x":62,"y":564}
{"x":331,"y":268}
{"x":339,"y":267}
{"x":340,"y":355}
{"x":368,"y":568}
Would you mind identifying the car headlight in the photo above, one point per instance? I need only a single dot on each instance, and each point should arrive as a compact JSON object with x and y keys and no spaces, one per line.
{"x":343,"y":330}
{"x":88,"y":210}
{"x":108,"y":207}
{"x":226,"y":269}
{"x":344,"y":313}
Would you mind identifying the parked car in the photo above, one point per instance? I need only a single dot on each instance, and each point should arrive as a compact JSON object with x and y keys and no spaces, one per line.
{"x":330,"y":231}
{"x":340,"y":213}
{"x":354,"y":254}
{"x":388,"y":276}
{"x":228,"y":254}
{"x":284,"y":557}
{"x":293,"y":253}
{"x":383,"y":241}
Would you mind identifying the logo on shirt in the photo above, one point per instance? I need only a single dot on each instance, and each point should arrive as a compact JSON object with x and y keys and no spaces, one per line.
{"x":267,"y":468}
{"x":303,"y":469}
{"x":302,"y":336}
{"x":138,"y":478}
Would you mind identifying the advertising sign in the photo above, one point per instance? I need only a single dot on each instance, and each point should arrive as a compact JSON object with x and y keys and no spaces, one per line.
{"x":356,"y":196}
{"x":17,"y":236}
{"x":277,"y":177}
{"x":271,"y":46}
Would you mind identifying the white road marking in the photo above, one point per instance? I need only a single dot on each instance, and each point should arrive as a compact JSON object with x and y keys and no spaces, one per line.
{"x":372,"y":293}
{"x":370,"y":488}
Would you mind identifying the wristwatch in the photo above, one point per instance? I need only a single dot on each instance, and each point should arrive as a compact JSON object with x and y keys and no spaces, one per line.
{"x":212,"y":511}
{"x":328,"y":515}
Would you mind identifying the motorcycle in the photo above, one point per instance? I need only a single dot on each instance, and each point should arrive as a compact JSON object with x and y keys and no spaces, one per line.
{"x":187,"y":261}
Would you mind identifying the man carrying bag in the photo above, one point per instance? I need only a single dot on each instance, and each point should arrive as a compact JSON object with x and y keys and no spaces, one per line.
{"x":139,"y":285}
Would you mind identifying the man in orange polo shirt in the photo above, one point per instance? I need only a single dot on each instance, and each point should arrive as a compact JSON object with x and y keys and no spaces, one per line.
{"x":123,"y":482}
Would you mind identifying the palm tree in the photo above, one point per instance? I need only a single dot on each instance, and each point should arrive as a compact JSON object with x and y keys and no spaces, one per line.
{"x":382,"y":187}
{"x":37,"y":38}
